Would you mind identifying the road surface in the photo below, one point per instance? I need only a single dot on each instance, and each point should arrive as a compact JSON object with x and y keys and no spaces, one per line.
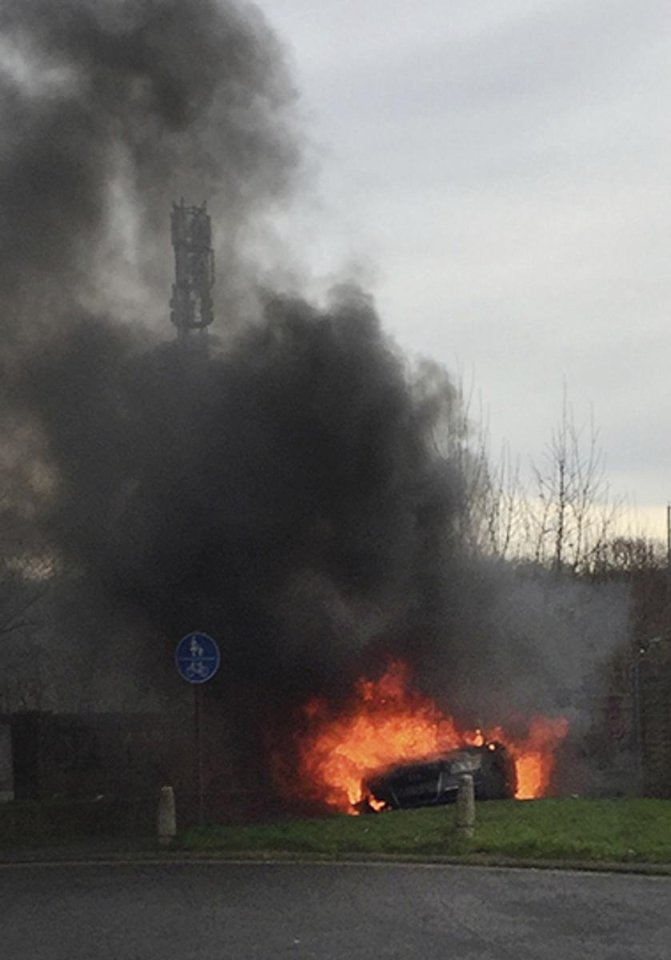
{"x":272,"y":911}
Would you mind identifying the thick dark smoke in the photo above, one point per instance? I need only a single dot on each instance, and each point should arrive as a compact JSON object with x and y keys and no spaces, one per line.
{"x":287,"y":493}
{"x":284,"y":492}
{"x":109,"y":110}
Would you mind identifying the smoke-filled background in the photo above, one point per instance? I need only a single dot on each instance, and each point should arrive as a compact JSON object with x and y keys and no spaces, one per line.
{"x":296,"y":493}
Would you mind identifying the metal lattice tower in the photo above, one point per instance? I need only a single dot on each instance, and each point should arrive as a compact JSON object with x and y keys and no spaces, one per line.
{"x":191,"y":302}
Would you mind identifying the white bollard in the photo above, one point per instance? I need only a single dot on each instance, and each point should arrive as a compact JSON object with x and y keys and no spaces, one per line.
{"x":465,"y":805}
{"x":166,"y":820}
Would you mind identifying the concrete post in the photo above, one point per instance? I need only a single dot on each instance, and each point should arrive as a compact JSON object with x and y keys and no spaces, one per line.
{"x":166,"y":820}
{"x":465,"y":805}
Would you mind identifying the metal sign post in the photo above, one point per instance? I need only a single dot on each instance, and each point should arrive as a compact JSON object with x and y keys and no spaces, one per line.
{"x":197,"y":658}
{"x":197,"y":739}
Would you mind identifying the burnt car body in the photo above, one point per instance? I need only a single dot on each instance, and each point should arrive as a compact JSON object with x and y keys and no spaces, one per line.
{"x":436,"y":781}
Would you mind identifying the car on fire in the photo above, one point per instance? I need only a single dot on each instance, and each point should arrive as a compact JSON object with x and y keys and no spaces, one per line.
{"x":436,"y":781}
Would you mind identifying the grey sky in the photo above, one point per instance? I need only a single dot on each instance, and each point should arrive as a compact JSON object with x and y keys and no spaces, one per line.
{"x":497,"y":172}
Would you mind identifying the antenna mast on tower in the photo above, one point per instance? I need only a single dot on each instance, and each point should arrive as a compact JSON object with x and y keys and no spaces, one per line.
{"x":191,"y":302}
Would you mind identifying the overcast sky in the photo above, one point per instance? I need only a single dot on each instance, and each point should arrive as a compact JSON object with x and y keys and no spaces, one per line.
{"x":496,"y":172}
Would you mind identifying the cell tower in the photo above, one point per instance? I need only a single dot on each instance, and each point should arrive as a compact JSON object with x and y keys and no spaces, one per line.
{"x":191,"y":302}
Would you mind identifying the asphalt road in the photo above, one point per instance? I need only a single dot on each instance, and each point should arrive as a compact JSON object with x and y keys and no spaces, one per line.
{"x":251,"y":911}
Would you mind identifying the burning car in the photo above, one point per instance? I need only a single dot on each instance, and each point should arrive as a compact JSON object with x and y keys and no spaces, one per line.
{"x":436,"y":781}
{"x":389,"y":745}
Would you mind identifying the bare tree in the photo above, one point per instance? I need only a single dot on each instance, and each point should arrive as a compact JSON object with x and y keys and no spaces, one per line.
{"x":570,"y":515}
{"x":498,"y":509}
{"x":566,"y":517}
{"x":490,"y":519}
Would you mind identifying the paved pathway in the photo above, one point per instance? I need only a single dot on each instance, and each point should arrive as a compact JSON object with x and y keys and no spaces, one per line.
{"x":252,"y":911}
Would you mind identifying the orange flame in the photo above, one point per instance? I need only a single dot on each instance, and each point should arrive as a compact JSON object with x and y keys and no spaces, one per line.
{"x":534,"y":756}
{"x":388,"y":723}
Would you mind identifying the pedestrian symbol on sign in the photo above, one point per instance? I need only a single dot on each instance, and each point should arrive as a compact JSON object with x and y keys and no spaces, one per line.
{"x":197,"y":657}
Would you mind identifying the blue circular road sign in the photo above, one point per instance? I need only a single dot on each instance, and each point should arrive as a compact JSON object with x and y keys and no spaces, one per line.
{"x":197,"y":657}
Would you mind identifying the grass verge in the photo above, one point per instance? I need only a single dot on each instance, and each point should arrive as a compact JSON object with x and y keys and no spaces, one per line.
{"x":62,"y":822}
{"x":577,"y":830}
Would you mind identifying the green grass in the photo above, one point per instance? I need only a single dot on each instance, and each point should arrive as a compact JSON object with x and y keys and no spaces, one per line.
{"x":597,"y":831}
{"x":60,"y":822}
{"x":579,"y":830}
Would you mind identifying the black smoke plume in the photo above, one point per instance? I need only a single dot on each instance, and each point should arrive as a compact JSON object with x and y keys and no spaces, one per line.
{"x":284,"y":492}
